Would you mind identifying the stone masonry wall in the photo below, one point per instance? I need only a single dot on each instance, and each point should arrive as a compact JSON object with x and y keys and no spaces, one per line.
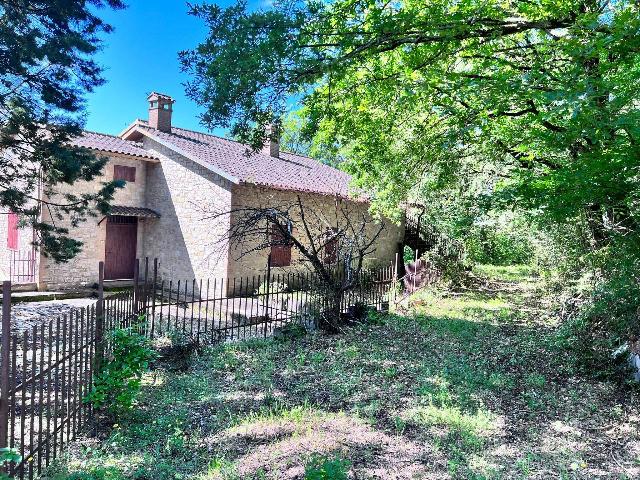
{"x":82,"y":270}
{"x":253,"y":196}
{"x":184,"y":240}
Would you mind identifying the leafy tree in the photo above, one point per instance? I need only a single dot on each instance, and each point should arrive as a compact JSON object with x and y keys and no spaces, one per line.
{"x":543,"y":94}
{"x":46,"y":66}
{"x":322,"y":146}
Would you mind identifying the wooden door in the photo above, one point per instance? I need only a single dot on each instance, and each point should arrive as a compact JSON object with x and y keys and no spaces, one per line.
{"x":120,"y":247}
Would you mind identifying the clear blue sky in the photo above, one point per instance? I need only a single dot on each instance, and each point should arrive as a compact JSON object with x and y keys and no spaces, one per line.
{"x":141,"y":56}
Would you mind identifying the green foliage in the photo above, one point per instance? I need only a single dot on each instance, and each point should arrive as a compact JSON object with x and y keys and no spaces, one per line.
{"x":8,"y":455}
{"x":46,"y":68}
{"x":608,"y":319}
{"x":498,"y":247}
{"x":116,"y":386}
{"x":443,"y":379}
{"x":469,"y":108}
{"x":408,"y":255}
{"x":325,"y":468}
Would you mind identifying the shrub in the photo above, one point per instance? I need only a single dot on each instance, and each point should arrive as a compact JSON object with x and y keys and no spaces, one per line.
{"x":8,"y":455}
{"x":117,"y":384}
{"x":498,"y":247}
{"x":606,"y":321}
{"x":324,"y":468}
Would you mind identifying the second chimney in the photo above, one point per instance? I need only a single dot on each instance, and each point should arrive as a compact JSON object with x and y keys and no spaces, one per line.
{"x":272,"y":143}
{"x":160,"y":110}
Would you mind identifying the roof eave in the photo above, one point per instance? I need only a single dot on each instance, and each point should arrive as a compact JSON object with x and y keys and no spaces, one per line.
{"x":147,"y":158}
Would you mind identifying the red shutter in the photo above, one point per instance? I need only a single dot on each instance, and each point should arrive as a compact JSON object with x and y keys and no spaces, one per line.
{"x":280,"y":254}
{"x":12,"y":231}
{"x":122,"y":172}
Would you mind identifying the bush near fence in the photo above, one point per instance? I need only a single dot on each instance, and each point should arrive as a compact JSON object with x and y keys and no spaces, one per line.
{"x":46,"y":372}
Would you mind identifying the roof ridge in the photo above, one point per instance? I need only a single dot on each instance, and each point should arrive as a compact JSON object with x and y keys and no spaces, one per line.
{"x":229,"y":140}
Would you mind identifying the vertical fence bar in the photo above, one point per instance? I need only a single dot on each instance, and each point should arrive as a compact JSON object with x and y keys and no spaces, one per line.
{"x":23,"y":398}
{"x":206,"y":310}
{"x":4,"y":367}
{"x":32,"y":396}
{"x":99,"y":340}
{"x":49,"y":368}
{"x":266,"y":303}
{"x":193,"y":303}
{"x":40,"y":397}
{"x":145,"y":285}
{"x":153,"y":300}
{"x":184,"y":314}
{"x":136,"y":279}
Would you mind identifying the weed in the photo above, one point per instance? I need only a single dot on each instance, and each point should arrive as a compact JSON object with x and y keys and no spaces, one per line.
{"x":325,"y":468}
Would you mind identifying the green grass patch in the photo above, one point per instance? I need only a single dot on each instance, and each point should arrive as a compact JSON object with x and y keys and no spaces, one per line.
{"x":467,"y":384}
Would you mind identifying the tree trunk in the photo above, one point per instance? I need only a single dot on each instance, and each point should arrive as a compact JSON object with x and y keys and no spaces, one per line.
{"x":330,"y":317}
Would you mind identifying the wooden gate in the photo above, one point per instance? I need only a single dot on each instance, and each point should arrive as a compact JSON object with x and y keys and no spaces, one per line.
{"x":120,"y":247}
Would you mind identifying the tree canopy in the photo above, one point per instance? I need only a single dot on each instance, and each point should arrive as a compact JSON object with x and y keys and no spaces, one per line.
{"x":540,"y":95}
{"x":46,"y":67}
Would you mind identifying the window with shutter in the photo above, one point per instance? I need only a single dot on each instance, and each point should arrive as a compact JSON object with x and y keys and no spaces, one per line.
{"x":12,"y":231}
{"x":331,"y":251}
{"x":122,"y":172}
{"x":280,"y":252}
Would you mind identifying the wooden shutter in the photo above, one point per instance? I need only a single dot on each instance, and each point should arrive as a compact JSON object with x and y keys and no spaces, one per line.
{"x":331,"y":251}
{"x":280,"y":254}
{"x":122,"y":172}
{"x":12,"y":231}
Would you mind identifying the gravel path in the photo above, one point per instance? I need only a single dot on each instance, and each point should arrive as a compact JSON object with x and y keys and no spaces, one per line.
{"x":26,"y":315}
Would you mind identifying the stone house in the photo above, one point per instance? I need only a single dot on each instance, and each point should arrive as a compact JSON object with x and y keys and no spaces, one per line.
{"x":175,"y":179}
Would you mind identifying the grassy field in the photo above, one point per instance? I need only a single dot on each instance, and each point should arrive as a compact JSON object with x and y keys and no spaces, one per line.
{"x":472,"y":384}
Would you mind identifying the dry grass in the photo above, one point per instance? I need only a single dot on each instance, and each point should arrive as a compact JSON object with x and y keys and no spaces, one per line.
{"x":467,"y":385}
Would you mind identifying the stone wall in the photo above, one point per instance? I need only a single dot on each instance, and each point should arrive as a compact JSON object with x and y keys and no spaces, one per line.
{"x":82,"y":270}
{"x":185,"y":239}
{"x":321,"y":212}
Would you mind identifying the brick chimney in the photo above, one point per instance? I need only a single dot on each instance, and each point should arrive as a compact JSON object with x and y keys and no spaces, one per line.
{"x":272,"y":143}
{"x":160,"y":109}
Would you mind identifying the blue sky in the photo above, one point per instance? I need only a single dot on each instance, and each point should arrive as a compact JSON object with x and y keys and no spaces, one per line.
{"x":140,"y":56}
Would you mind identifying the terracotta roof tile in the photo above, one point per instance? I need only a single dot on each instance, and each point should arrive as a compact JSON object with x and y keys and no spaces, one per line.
{"x":109,"y":143}
{"x":133,"y":211}
{"x":289,"y":172}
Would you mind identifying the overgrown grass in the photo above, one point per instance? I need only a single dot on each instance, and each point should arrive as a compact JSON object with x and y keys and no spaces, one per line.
{"x":464,"y":385}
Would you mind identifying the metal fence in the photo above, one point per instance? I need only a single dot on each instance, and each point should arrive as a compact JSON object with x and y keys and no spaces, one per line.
{"x":23,"y":266}
{"x":213,"y":310}
{"x":47,"y":371}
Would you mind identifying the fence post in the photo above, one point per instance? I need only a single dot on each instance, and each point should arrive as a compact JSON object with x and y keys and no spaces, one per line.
{"x":100,"y":320}
{"x":153,"y":293}
{"x":266,"y":305}
{"x":4,"y":368}
{"x":146,"y":284}
{"x":136,"y":279}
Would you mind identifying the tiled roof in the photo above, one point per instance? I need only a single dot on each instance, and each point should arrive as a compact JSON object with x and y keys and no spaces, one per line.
{"x":109,"y":143}
{"x":133,"y":211}
{"x":289,"y":172}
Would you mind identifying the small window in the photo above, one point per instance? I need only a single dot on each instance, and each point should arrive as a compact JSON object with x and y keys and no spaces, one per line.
{"x":280,"y":251}
{"x":128,"y":174}
{"x":12,"y":231}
